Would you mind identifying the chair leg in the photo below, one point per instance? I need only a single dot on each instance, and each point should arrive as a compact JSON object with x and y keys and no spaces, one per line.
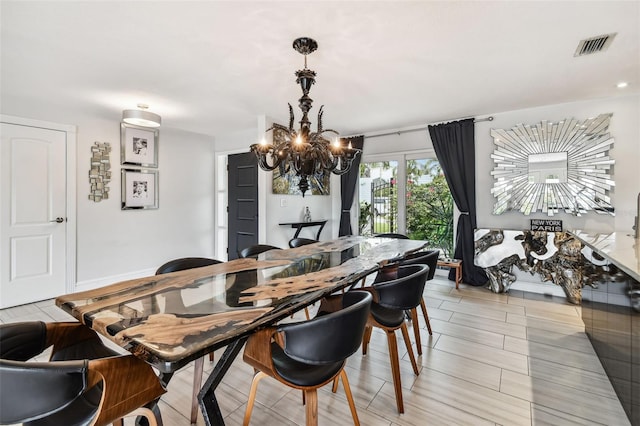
{"x":144,"y":412}
{"x":118,"y":422}
{"x":395,"y":368}
{"x":211,"y":357}
{"x":407,"y":342}
{"x":311,"y":408}
{"x":252,"y":396}
{"x":347,"y":391}
{"x":426,"y":316}
{"x":416,"y":329}
{"x":198,"y":367}
{"x":334,"y":387}
{"x":365,"y":338}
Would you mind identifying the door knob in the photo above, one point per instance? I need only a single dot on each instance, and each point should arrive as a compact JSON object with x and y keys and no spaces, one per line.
{"x":57,"y":220}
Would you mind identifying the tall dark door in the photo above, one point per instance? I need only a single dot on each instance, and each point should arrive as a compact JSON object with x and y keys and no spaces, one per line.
{"x":243,"y":202}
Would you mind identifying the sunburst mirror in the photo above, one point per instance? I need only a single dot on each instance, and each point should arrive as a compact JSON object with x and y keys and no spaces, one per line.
{"x":554,"y":167}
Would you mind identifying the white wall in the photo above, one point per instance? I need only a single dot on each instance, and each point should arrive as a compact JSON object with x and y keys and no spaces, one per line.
{"x":113,"y":244}
{"x":624,"y":128}
{"x":112,"y":241}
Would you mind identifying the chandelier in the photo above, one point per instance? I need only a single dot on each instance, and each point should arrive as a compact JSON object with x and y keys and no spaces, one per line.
{"x":305,"y":152}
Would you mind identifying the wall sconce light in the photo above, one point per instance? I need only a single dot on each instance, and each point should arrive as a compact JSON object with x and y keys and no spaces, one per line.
{"x":141,"y":117}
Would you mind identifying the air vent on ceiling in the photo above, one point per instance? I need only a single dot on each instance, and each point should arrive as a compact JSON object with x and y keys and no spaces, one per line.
{"x":594,"y":44}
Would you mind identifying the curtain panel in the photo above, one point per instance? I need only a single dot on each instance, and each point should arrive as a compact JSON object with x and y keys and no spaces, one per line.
{"x":348,"y":187}
{"x":454,"y":144}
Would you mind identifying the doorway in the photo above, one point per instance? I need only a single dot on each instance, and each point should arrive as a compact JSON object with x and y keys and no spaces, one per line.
{"x":37,"y":219}
{"x":242,"y":178}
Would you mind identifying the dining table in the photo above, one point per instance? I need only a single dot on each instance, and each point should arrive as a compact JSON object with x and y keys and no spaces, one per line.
{"x":173,"y":319}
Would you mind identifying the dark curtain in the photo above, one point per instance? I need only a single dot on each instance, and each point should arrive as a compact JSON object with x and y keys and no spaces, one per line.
{"x":454,"y":144}
{"x":348,"y":187}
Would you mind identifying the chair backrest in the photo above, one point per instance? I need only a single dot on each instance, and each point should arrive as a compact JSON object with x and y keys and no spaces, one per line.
{"x":392,"y":235}
{"x":255,"y":250}
{"x":185,"y":263}
{"x":404,"y":292}
{"x":428,"y":257}
{"x":33,"y":390}
{"x":298,"y":242}
{"x":79,"y":390}
{"x":332,"y":337}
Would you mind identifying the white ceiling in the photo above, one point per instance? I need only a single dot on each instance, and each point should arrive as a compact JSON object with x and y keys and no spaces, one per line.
{"x":213,"y":67}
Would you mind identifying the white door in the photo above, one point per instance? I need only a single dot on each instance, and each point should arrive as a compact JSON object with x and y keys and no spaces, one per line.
{"x":32,"y":214}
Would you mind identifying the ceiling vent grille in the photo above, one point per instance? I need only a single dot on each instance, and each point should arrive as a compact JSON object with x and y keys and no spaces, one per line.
{"x":594,"y":44}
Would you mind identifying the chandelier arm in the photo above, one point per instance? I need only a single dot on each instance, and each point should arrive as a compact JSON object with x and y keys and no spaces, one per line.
{"x":291,"y":118}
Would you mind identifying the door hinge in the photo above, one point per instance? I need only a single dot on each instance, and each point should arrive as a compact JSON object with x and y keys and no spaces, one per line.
{"x":227,"y":209}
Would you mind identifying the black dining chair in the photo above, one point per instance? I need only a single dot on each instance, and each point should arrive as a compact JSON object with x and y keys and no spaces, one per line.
{"x":182,"y":264}
{"x":429,"y":258}
{"x":426,"y":257}
{"x":83,"y":383}
{"x":392,"y":235}
{"x":310,"y":354}
{"x":255,"y":250}
{"x":391,"y":298}
{"x":299,"y":242}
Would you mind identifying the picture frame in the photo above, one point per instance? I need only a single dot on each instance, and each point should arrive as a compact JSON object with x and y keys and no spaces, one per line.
{"x":139,"y":189}
{"x":139,"y":145}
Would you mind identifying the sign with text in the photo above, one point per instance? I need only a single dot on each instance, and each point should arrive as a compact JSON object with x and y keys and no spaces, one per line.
{"x":549,"y":225}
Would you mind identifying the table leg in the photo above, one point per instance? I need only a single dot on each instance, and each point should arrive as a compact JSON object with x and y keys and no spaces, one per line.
{"x":319,"y":231}
{"x":206,"y":397}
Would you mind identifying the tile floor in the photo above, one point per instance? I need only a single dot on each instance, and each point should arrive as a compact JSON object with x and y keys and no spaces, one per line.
{"x":493,"y":359}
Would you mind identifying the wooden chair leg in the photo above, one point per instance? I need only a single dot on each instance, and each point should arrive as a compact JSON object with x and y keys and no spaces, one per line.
{"x":198,"y":367}
{"x":119,"y":422}
{"x":334,"y":387}
{"x":347,"y":391}
{"x":426,"y":316}
{"x":211,"y":357}
{"x":407,"y":342}
{"x":365,"y":338}
{"x":395,"y":368}
{"x":144,"y":412}
{"x":416,"y":329}
{"x":311,"y":407}
{"x":252,"y":396}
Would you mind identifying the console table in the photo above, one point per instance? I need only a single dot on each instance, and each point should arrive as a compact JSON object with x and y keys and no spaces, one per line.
{"x":299,"y":225}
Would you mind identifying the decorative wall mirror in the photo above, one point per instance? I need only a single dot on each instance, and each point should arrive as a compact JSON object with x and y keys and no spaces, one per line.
{"x":554,"y":167}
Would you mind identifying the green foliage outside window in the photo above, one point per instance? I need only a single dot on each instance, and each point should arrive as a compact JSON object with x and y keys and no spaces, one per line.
{"x":430,"y":213}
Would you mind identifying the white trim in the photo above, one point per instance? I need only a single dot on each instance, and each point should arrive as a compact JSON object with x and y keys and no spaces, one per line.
{"x":71,"y":168}
{"x":101,"y":282}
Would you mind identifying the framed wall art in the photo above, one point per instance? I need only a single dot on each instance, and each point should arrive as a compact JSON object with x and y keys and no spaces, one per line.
{"x":139,"y":189}
{"x":139,"y":145}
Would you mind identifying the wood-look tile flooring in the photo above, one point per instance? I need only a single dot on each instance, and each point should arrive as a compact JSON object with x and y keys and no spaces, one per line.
{"x":493,"y":359}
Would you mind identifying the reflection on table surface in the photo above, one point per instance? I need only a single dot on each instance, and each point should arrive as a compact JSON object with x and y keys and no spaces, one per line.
{"x":171,"y":319}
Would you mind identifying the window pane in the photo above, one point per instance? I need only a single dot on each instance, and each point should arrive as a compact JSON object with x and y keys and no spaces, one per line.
{"x":378,"y":198}
{"x":429,"y":205}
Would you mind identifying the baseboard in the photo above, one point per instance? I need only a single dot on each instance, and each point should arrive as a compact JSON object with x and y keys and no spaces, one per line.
{"x":101,"y":282}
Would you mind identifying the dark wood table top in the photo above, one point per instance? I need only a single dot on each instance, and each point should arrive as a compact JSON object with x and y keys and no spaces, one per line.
{"x":169,"y":320}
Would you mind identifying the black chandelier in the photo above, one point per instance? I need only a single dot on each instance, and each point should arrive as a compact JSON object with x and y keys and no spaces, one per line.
{"x":305,"y":152}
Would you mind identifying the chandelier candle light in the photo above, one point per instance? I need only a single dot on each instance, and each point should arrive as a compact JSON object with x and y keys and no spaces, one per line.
{"x":307,"y":153}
